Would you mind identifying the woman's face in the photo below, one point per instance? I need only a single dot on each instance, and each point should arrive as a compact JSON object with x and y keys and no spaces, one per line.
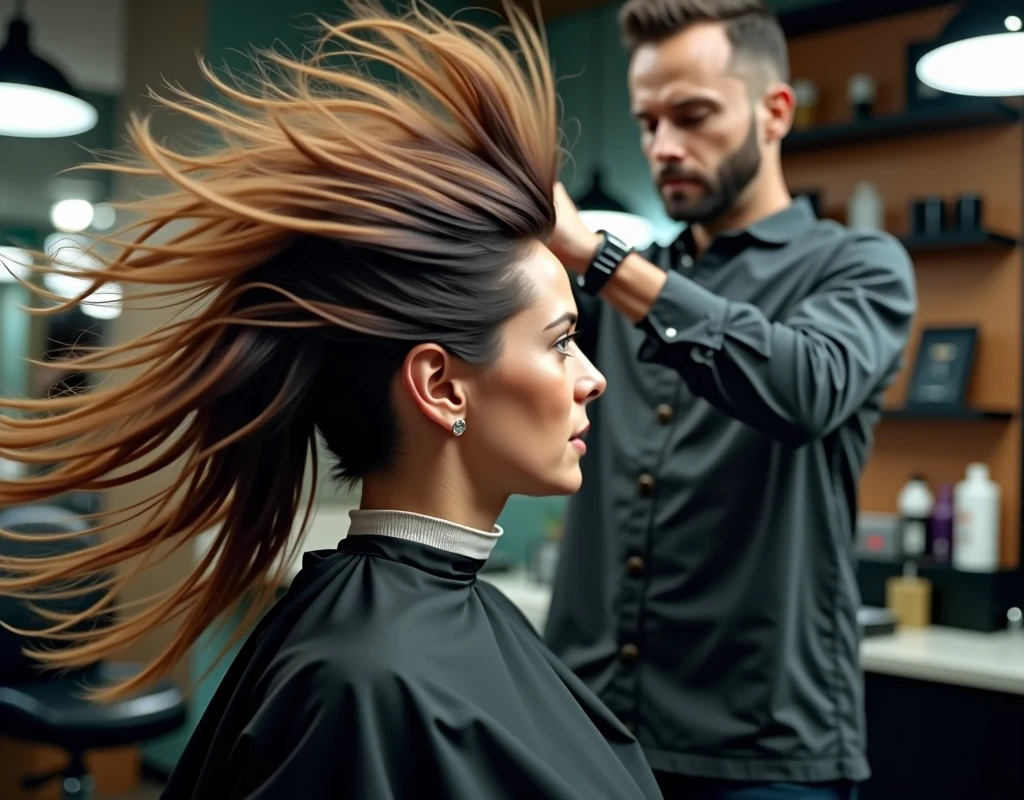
{"x":526,"y":414}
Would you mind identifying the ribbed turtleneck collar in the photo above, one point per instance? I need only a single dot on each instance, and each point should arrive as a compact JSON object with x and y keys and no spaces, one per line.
{"x":439,"y":533}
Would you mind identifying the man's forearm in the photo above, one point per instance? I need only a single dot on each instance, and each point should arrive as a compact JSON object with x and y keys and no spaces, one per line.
{"x":633,"y":287}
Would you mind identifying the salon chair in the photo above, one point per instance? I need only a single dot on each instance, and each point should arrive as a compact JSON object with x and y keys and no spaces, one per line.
{"x":49,"y":709}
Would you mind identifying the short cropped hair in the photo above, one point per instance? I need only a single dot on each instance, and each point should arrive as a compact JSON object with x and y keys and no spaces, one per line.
{"x":754,"y":32}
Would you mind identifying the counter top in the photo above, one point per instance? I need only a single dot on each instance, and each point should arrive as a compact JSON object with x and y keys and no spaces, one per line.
{"x":993,"y":661}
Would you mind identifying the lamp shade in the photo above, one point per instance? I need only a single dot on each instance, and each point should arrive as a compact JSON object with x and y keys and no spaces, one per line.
{"x":601,"y":212}
{"x":36,"y":100}
{"x":980,"y":52}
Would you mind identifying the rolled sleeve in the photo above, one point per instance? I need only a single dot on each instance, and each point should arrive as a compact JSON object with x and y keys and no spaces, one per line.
{"x":801,"y":374}
{"x":685,"y":315}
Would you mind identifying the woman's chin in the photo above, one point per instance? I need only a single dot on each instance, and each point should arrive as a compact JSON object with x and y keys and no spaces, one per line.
{"x":566,"y":480}
{"x":568,"y":483}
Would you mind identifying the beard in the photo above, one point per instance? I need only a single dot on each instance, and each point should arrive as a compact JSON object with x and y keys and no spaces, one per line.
{"x":721,"y":192}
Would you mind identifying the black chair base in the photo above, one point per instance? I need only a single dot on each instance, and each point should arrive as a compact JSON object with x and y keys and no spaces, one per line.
{"x":76,"y":783}
{"x":54,"y":712}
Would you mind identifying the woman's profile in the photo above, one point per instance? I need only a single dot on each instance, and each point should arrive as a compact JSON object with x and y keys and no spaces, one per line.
{"x":360,"y":261}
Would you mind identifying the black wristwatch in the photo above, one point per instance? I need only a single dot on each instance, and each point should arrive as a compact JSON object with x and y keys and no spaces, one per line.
{"x":610,"y":253}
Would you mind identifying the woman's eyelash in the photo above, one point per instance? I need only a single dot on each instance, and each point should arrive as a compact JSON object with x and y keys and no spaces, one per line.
{"x":563,"y":343}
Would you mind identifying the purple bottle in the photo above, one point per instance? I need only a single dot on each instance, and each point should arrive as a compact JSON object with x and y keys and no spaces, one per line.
{"x":940,"y":526}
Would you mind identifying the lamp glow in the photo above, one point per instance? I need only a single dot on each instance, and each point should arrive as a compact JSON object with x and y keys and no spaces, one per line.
{"x":70,"y":254}
{"x":979,"y":53}
{"x":104,"y":217}
{"x":14,"y":264}
{"x":36,"y":100}
{"x":72,"y":216}
{"x":32,"y":112}
{"x":634,"y":230}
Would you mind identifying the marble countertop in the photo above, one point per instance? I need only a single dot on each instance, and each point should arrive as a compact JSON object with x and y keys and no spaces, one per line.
{"x":993,"y":661}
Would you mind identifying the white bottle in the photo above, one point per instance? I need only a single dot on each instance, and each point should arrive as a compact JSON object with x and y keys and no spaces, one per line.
{"x":865,"y":209}
{"x":915,"y":504}
{"x":976,"y":501}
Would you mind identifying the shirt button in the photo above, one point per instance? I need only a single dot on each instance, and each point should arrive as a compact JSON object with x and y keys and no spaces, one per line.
{"x":664,"y":413}
{"x":629,"y":653}
{"x":702,"y":355}
{"x":629,"y":726}
{"x":635,"y":566}
{"x":686,"y":261}
{"x":671,"y":333}
{"x":645,"y":485}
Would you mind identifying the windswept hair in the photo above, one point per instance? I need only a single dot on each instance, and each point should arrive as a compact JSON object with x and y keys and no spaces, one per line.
{"x":346,"y":214}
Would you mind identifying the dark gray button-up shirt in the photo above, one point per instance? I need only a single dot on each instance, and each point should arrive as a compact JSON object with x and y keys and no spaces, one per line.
{"x":706,"y":587}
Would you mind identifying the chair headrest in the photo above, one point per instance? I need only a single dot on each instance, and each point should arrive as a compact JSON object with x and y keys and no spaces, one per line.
{"x":43,"y":519}
{"x":15,"y":667}
{"x":48,"y":519}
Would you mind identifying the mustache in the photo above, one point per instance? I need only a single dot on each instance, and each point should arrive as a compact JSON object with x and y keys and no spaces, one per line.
{"x":677,"y":173}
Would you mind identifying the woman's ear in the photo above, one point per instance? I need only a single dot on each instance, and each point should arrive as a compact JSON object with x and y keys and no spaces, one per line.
{"x":429,"y":377}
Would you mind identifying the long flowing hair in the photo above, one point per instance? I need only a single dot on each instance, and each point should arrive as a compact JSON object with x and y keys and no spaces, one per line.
{"x":379,"y":192}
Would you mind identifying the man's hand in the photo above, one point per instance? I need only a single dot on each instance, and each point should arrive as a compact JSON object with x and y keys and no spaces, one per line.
{"x":573,"y":243}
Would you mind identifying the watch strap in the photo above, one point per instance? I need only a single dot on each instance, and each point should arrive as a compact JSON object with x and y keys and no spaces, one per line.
{"x":610,"y":254}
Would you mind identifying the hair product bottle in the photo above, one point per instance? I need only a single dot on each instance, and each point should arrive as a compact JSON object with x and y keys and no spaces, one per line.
{"x":915,"y":504}
{"x":976,"y":526}
{"x":940,"y":526}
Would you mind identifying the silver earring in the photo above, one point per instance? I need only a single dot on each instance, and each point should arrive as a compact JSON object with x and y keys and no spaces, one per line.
{"x":459,"y":427}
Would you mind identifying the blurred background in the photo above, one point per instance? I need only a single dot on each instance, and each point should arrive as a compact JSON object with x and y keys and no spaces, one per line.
{"x":873,"y":147}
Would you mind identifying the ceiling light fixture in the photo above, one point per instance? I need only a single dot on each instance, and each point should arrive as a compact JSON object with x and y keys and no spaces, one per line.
{"x":980,"y":52}
{"x":36,"y":100}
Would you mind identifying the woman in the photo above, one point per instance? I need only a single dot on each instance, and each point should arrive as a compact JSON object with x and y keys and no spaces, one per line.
{"x":363,"y":263}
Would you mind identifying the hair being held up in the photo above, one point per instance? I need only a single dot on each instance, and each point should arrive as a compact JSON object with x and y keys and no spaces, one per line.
{"x":342,"y":220}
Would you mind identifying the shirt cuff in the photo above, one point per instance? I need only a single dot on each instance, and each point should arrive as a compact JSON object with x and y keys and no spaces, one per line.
{"x":686,"y":314}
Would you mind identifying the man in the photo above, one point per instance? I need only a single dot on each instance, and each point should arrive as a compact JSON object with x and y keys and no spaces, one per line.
{"x":706,"y":588}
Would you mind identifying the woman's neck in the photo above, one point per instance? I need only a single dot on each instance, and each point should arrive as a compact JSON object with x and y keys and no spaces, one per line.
{"x":432,"y":496}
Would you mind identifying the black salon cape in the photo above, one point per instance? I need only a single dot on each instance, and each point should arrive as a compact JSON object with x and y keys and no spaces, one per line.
{"x":389,"y":672}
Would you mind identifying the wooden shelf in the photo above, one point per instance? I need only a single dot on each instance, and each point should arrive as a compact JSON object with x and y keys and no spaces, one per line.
{"x":957,"y":240}
{"x":952,"y":415}
{"x":909,"y":123}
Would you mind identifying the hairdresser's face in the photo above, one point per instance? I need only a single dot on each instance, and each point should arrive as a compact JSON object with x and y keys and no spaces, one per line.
{"x":528,"y":412}
{"x":700,"y":131}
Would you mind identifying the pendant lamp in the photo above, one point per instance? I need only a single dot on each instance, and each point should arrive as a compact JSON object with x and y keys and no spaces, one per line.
{"x":601,"y":212}
{"x":36,"y":100}
{"x":980,"y":52}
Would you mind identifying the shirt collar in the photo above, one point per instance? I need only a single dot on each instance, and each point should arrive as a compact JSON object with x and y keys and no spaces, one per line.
{"x":785,"y":225}
{"x":778,"y":228}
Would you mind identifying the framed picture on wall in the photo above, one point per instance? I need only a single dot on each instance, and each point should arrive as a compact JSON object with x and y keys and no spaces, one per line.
{"x":943,"y":369}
